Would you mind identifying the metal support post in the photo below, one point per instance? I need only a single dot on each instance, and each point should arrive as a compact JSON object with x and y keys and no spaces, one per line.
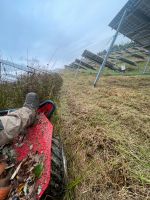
{"x":77,"y":71}
{"x":0,"y":71}
{"x":110,"y":48}
{"x":145,"y":68}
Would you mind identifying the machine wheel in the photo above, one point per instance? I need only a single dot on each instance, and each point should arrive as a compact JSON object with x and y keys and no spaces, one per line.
{"x":58,"y":172}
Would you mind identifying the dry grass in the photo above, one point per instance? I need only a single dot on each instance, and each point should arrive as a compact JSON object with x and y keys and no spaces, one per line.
{"x":46,"y":85}
{"x":106,"y":131}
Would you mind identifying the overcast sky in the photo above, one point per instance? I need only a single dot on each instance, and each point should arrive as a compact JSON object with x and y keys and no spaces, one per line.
{"x":55,"y":31}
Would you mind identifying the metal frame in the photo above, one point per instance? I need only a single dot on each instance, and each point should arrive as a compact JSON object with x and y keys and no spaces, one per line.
{"x":110,"y":48}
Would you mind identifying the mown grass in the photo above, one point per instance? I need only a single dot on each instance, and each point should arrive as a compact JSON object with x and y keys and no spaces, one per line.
{"x":106,"y":134}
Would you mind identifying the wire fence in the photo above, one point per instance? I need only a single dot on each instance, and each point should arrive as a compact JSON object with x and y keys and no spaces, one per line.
{"x":10,"y":71}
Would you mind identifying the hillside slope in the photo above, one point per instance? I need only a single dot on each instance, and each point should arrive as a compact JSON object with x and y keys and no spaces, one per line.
{"x":106,"y":136}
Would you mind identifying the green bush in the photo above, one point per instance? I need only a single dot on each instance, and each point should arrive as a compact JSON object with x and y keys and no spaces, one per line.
{"x":46,"y":85}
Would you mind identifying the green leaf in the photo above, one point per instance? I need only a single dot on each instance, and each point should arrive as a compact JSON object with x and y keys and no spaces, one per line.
{"x":38,"y":170}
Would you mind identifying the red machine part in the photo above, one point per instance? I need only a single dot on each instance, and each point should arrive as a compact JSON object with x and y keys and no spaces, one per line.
{"x":39,"y":137}
{"x":47,"y":108}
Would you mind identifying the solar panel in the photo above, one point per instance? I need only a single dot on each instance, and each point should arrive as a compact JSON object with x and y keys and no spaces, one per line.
{"x":136,"y":24}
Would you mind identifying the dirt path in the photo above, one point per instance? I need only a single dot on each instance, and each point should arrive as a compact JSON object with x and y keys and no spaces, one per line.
{"x":106,"y":134}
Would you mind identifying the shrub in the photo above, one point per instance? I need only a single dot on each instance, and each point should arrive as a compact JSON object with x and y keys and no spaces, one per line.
{"x":46,"y":85}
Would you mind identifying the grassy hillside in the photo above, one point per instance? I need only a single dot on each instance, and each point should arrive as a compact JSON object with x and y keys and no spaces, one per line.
{"x":106,"y":131}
